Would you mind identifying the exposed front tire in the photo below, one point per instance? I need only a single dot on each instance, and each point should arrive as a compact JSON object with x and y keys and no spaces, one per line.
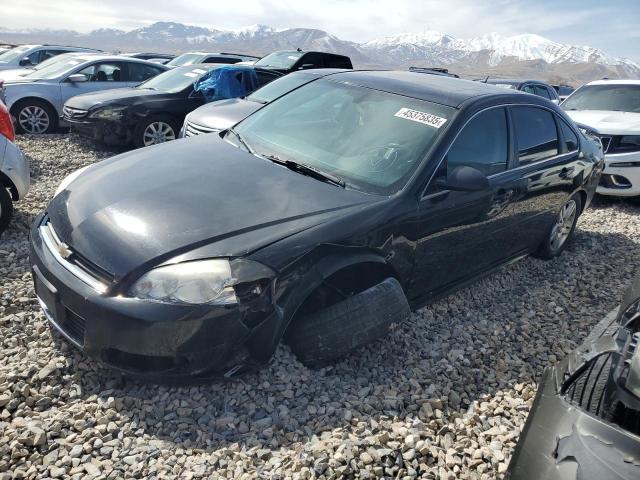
{"x":562,"y":229}
{"x":6,"y":208}
{"x":154,"y":130}
{"x":331,"y":333}
{"x":35,"y":116}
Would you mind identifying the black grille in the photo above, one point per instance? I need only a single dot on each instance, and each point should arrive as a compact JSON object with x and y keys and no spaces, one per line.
{"x":606,"y":143}
{"x":74,"y":326}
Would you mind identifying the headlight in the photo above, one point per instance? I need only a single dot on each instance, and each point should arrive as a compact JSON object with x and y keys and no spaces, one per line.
{"x":69,"y":178}
{"x":211,"y":282}
{"x":108,"y":113}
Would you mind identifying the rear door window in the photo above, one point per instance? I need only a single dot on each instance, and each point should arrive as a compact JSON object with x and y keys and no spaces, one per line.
{"x":482,"y":144}
{"x":536,"y":134}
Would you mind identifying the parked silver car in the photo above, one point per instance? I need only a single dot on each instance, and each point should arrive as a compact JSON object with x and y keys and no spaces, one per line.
{"x":14,"y":169}
{"x":36,"y":99}
{"x":16,"y":73}
{"x":31,"y":55}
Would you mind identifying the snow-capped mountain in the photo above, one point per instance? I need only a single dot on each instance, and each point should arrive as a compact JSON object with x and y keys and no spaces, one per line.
{"x":443,"y":48}
{"x":525,"y":54}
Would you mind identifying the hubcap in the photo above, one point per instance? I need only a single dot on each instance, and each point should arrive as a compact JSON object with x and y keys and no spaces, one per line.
{"x":563,"y":225}
{"x":158,"y":132}
{"x":33,"y":119}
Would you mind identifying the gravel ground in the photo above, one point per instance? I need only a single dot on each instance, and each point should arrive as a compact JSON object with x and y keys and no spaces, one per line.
{"x":444,"y":396}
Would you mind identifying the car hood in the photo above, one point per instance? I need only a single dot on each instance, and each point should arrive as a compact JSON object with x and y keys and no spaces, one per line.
{"x":223,"y":113}
{"x":120,"y":96}
{"x":14,"y":73}
{"x":608,"y":122}
{"x":136,"y":210}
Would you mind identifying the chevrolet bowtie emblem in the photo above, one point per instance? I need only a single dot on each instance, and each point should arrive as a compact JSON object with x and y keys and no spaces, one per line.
{"x":64,"y":250}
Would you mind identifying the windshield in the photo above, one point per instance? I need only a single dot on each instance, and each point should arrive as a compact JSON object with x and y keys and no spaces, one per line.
{"x":279,"y":59}
{"x":176,"y":80}
{"x":55,"y":69}
{"x":372,"y":139}
{"x":623,"y":98}
{"x":280,"y":86}
{"x":14,"y":53}
{"x":185,"y":59}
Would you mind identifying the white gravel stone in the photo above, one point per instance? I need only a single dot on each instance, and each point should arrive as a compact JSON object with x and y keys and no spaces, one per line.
{"x":445,"y":395}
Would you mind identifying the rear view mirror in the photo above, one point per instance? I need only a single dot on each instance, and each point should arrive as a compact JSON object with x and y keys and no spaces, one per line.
{"x":77,"y":78}
{"x":464,"y":179}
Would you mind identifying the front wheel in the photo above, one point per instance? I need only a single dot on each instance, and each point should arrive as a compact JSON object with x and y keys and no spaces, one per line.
{"x":155,"y":130}
{"x":6,"y":208}
{"x":562,"y":230}
{"x":35,"y":117}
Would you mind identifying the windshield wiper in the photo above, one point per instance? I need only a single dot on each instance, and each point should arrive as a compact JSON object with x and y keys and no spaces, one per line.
{"x":307,"y":170}
{"x":242,"y":141}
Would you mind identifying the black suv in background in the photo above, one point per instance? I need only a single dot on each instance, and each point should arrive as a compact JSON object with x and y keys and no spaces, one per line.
{"x":288,"y":61}
{"x":535,"y":87}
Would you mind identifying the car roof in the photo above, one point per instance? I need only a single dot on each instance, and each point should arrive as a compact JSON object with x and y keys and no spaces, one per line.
{"x":310,"y":51}
{"x":449,"y":91}
{"x":615,"y":82}
{"x":513,"y":81}
{"x":89,"y":56}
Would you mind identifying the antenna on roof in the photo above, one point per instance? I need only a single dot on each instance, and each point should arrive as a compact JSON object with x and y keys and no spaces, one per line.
{"x":299,"y":49}
{"x":486,"y":79}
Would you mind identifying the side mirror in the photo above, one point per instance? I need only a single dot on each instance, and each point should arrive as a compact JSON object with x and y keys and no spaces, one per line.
{"x":77,"y":78}
{"x":25,"y":62}
{"x":464,"y":179}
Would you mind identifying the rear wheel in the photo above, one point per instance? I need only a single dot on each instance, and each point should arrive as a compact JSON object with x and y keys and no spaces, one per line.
{"x":6,"y":208}
{"x":332,"y":332}
{"x":562,"y":230}
{"x":35,"y":117}
{"x":155,"y":130}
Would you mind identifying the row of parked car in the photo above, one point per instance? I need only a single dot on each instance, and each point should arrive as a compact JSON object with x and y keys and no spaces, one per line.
{"x":318,"y":210}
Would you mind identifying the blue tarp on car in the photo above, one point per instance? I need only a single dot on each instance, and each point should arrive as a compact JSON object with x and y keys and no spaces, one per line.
{"x":231,"y":81}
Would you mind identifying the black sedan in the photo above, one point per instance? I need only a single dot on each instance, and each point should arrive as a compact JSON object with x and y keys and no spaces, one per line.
{"x":318,"y":220}
{"x":153,"y":111}
{"x":585,"y":421}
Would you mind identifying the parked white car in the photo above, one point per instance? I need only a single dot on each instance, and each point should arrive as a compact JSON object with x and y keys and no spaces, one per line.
{"x":612,"y":108}
{"x":14,"y":169}
{"x":36,"y":99}
{"x":16,"y":73}
{"x":31,"y":55}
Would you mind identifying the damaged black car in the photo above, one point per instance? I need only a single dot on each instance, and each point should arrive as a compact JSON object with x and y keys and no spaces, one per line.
{"x":154,"y":111}
{"x":585,"y":421}
{"x":318,"y":220}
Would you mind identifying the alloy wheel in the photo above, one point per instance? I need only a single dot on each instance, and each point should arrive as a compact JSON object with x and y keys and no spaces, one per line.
{"x":564,"y":223}
{"x":158,"y":132}
{"x":34,"y":119}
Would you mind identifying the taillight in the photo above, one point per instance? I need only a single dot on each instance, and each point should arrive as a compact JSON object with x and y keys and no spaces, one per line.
{"x":6,"y":123}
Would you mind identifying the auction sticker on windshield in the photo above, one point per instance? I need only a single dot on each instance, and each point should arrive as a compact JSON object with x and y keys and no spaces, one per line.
{"x":421,"y":117}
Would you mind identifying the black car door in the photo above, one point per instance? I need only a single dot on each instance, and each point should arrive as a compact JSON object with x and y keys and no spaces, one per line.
{"x":548,"y":167}
{"x":463,"y":233}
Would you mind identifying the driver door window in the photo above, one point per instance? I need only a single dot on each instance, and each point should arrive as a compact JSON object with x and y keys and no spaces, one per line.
{"x":483,"y":144}
{"x":104,"y":72}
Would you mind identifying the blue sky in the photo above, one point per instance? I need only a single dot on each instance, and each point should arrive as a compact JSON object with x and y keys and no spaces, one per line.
{"x":612,"y":25}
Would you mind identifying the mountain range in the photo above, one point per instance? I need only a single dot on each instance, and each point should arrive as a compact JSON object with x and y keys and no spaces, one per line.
{"x":525,"y":55}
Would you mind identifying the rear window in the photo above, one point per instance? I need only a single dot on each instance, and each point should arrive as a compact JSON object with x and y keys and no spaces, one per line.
{"x":536,"y":133}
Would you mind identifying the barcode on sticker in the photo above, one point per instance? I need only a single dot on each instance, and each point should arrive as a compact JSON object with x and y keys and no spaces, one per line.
{"x":421,"y":117}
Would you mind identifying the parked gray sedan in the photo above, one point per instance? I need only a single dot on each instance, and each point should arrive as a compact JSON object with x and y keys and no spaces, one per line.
{"x":217,"y":116}
{"x":36,"y":99}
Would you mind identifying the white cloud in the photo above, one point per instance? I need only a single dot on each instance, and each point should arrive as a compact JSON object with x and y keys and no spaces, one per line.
{"x":357,"y":20}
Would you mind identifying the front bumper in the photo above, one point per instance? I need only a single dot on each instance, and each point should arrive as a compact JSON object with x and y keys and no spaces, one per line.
{"x":158,"y":341}
{"x":620,"y":181}
{"x":111,"y":133}
{"x":16,"y":167}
